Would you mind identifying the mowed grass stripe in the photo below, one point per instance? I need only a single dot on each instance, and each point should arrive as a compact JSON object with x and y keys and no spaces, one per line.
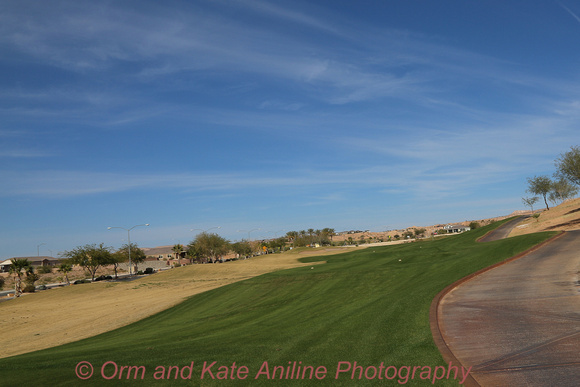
{"x":364,"y":306}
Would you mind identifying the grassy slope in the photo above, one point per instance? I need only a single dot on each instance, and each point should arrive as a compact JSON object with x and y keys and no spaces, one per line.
{"x":365,"y":306}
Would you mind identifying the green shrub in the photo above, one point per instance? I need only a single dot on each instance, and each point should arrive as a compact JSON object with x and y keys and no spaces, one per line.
{"x":149,"y":270}
{"x":474,"y":225}
{"x":44,"y":269}
{"x":29,"y":288}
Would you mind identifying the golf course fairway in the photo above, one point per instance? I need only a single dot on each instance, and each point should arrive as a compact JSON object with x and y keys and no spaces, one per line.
{"x":368,"y":306}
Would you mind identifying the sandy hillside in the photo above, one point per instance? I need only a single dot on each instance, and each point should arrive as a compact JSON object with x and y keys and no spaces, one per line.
{"x":58,"y":316}
{"x":565,"y":217}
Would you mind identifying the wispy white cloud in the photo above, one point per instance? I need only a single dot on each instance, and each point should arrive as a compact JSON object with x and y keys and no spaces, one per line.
{"x":72,"y":183}
{"x":96,"y":37}
{"x":569,"y":11}
{"x":280,"y":105}
{"x":417,"y":180}
{"x":147,"y":48}
{"x":22,"y":153}
{"x":281,"y":13}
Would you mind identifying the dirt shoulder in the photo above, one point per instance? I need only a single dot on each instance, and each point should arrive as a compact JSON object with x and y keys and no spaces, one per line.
{"x":58,"y":316}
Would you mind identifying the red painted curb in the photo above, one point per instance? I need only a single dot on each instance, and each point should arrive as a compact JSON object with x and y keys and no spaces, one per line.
{"x":448,"y":356}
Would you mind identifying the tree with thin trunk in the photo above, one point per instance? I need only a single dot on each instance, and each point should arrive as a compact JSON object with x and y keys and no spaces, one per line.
{"x":66,"y":268}
{"x":193,"y":253}
{"x":292,"y":235}
{"x":562,"y":190}
{"x":330,"y":232}
{"x":242,"y":248}
{"x":117,"y":258}
{"x":568,"y":165}
{"x":122,"y":255}
{"x":31,"y":278}
{"x":540,"y":185}
{"x":17,"y":267}
{"x":529,"y":202}
{"x":90,"y":257}
{"x":310,"y":232}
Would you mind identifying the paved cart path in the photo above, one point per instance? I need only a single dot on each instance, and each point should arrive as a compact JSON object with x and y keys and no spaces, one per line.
{"x":519,"y":324}
{"x":502,"y":231}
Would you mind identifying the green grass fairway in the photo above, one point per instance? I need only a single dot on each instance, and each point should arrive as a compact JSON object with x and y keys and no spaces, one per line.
{"x":369,"y":306}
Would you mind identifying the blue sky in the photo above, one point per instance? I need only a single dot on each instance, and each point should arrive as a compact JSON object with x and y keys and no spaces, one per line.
{"x":277,"y":115}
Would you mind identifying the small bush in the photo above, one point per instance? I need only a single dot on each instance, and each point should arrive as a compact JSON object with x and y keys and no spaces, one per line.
{"x":2,"y":281}
{"x":474,"y":225}
{"x":29,"y":288}
{"x":149,"y":270}
{"x":42,"y":287}
{"x":103,"y":278}
{"x":81,"y":281}
{"x":44,"y":269}
{"x":140,"y":272}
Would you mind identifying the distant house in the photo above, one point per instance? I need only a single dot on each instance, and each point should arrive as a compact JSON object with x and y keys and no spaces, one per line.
{"x":34,"y":261}
{"x":162,"y":253}
{"x":456,"y":228}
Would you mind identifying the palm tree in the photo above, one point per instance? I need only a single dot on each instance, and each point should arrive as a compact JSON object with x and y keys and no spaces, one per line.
{"x":318,"y":234}
{"x":177,"y":249}
{"x":310,"y":232}
{"x":292,"y":235}
{"x":330,"y":232}
{"x":66,"y":268}
{"x":16,"y":268}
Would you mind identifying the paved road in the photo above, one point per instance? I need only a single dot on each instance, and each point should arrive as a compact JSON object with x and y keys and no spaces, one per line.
{"x":519,"y":324}
{"x":502,"y":231}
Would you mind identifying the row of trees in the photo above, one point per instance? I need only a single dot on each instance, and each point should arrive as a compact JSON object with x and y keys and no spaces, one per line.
{"x":92,"y":257}
{"x":205,"y":248}
{"x":310,"y":237}
{"x":209,"y":247}
{"x":564,"y":184}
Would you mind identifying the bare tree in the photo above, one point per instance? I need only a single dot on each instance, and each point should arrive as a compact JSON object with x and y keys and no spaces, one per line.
{"x":529,"y":202}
